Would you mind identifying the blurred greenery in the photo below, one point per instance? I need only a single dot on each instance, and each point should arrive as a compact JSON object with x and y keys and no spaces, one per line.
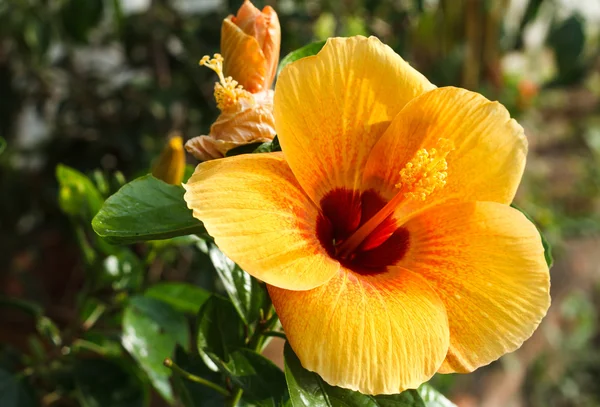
{"x":90,"y":90}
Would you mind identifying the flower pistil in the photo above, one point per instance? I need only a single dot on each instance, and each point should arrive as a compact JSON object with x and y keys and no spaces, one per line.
{"x":421,"y":176}
{"x":228,"y":91}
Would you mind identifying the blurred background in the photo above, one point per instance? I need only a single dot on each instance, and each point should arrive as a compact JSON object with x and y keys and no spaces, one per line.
{"x":98,"y":85}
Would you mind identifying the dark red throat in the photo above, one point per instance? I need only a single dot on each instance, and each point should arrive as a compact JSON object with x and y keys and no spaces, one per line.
{"x":343,"y":211}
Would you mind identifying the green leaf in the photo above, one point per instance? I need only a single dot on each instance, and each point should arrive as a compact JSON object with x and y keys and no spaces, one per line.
{"x":305,"y":51}
{"x":194,"y":394}
{"x":547,"y":247}
{"x":12,"y":392}
{"x":243,"y":149}
{"x":151,"y":329}
{"x":308,"y":389}
{"x":433,"y":398}
{"x":103,"y":382}
{"x":121,"y":270}
{"x":263,"y":382}
{"x":220,"y":329}
{"x":2,"y":145}
{"x":145,"y":209}
{"x":246,"y":293}
{"x":269,"y":146}
{"x":48,"y":329}
{"x":80,"y":16}
{"x":78,"y":196}
{"x":181,"y":296}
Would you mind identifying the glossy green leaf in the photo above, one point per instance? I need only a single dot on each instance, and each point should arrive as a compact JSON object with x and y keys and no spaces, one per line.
{"x":192,"y":394}
{"x":220,"y":329}
{"x":151,"y":329}
{"x":121,"y":270}
{"x":305,"y":51}
{"x":308,"y":389}
{"x":183,"y":297}
{"x":104,"y":382}
{"x":547,"y":247}
{"x":433,"y":398}
{"x":246,"y":293}
{"x":263,"y":382}
{"x":81,"y":16}
{"x":78,"y":196}
{"x":145,"y":209}
{"x":13,"y":393}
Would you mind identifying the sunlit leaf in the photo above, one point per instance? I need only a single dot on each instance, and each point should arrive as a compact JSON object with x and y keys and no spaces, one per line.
{"x":151,"y":329}
{"x":145,"y":209}
{"x":434,"y":398}
{"x":78,"y":196}
{"x":183,"y":297}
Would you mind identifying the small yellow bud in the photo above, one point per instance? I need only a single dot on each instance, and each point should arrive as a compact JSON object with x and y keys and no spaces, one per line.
{"x":170,"y":165}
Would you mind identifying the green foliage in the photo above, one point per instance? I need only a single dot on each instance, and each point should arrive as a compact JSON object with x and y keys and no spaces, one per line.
{"x":78,"y":196}
{"x":13,"y":393}
{"x":106,"y":382}
{"x":220,"y":330}
{"x":151,"y":329}
{"x":433,"y":398}
{"x":249,"y":297}
{"x":145,"y":209}
{"x":263,"y":383}
{"x":181,"y":296}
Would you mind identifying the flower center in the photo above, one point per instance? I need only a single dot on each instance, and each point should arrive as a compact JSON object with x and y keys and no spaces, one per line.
{"x":424,"y":174}
{"x":227,"y":91}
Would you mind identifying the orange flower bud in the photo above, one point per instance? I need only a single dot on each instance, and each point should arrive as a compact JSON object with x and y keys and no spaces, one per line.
{"x":250,"y":44}
{"x":170,"y":165}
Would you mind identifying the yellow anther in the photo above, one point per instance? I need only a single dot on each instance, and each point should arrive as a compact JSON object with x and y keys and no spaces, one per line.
{"x":426,"y":172}
{"x":227,"y":91}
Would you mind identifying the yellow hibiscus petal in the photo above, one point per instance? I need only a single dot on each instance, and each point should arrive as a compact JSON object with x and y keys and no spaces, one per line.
{"x":488,"y":155}
{"x":331,"y":108}
{"x":376,"y":334}
{"x":486,"y":262}
{"x":260,"y":217}
{"x":244,"y":61}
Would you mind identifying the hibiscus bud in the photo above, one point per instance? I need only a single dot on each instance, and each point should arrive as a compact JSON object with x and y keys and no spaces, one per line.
{"x":250,"y":44}
{"x":245,"y":117}
{"x":171,"y":163}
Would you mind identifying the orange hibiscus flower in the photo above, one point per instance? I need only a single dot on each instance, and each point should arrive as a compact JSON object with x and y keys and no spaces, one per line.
{"x":383,"y":230}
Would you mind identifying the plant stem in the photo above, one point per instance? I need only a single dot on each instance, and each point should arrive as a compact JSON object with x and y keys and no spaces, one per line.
{"x":236,"y":397}
{"x":171,"y":365}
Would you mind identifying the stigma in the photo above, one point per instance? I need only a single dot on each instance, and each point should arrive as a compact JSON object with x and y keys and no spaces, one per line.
{"x":228,"y":92}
